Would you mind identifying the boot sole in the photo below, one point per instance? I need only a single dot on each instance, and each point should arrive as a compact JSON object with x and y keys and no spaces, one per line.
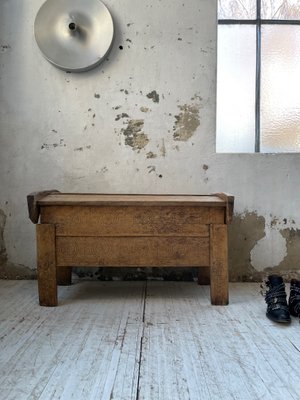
{"x":280,"y":321}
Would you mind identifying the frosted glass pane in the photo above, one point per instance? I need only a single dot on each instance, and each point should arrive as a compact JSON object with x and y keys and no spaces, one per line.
{"x":280,"y":9}
{"x":237,"y":9}
{"x":280,"y":89}
{"x":236,"y":89}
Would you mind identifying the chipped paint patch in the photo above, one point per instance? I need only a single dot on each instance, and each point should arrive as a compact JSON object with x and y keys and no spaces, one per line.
{"x":268,"y":251}
{"x":258,"y":247}
{"x":154,"y":96}
{"x":119,"y":116}
{"x":150,"y":154}
{"x":134,"y":135}
{"x":291,"y":260}
{"x":186,"y":123}
{"x":145,"y":109}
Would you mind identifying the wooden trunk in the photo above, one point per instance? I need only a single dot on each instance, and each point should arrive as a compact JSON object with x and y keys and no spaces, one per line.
{"x":95,"y":230}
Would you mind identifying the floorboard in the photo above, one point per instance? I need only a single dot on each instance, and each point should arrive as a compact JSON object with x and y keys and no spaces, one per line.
{"x":144,"y":340}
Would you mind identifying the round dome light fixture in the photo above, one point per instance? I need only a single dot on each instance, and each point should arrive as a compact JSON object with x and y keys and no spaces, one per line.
{"x":74,"y":35}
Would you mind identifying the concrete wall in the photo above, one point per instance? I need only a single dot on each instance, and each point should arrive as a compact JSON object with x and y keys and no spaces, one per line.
{"x":142,"y":122}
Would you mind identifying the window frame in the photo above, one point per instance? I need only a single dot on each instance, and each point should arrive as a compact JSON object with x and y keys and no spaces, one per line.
{"x":259,"y":22}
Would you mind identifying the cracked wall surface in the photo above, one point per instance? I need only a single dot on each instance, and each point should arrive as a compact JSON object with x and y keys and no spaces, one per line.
{"x":141,"y":122}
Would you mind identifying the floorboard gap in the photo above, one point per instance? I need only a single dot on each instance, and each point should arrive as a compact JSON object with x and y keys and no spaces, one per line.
{"x":141,"y":344}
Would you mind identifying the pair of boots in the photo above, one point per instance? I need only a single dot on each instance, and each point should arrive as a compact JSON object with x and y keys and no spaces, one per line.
{"x":278,"y":310}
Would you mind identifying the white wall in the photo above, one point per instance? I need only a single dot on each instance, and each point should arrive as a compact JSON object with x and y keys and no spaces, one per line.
{"x":67,"y":132}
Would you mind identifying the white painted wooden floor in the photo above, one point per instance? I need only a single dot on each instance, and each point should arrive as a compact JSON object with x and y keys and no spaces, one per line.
{"x":144,"y":340}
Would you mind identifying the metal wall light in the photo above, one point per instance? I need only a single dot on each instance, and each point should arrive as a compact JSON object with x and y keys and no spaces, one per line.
{"x":74,"y":35}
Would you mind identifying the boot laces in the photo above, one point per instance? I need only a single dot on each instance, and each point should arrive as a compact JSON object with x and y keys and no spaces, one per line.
{"x":275,"y":297}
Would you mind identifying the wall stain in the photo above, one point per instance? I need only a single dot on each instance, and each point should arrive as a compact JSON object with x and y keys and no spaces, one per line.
{"x":196,"y":97}
{"x":186,"y":123}
{"x":134,"y":135}
{"x":9,"y":270}
{"x":4,"y":47}
{"x":243,"y":234}
{"x":97,"y":96}
{"x":163,"y":149}
{"x":154,"y":96}
{"x":82,"y":148}
{"x":151,"y":168}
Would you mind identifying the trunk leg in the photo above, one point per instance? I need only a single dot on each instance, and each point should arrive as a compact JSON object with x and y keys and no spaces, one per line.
{"x":218,"y":265}
{"x":46,"y":265}
{"x":64,"y":276}
{"x":204,"y":276}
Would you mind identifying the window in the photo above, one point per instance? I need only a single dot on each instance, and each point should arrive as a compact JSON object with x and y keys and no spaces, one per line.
{"x":258,"y":84}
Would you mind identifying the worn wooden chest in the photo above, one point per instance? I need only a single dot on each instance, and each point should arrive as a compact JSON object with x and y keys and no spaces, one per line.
{"x":94,"y":230}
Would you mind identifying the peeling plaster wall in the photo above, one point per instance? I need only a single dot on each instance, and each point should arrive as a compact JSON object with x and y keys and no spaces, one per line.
{"x":142,"y":122}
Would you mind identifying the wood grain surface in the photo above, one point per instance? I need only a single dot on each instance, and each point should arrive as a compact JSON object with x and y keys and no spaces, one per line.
{"x":132,"y":252}
{"x":135,"y":199}
{"x":46,"y":264}
{"x":120,"y":221}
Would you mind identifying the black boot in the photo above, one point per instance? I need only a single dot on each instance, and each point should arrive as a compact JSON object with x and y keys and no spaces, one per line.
{"x":294,"y":300}
{"x":275,"y":297}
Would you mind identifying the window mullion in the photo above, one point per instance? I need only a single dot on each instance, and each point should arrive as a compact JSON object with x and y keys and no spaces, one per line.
{"x":258,"y":76}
